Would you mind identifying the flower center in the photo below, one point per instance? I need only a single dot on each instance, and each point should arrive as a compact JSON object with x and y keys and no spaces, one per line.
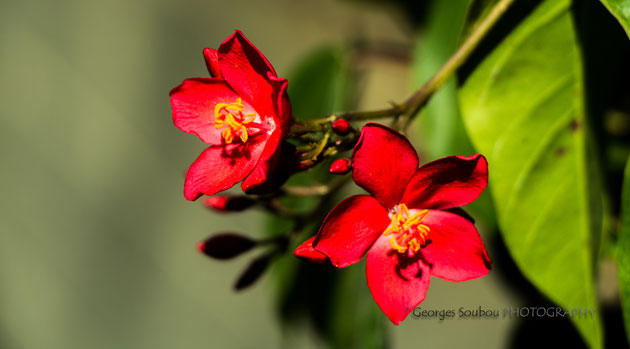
{"x":230,"y":117}
{"x":407,"y":230}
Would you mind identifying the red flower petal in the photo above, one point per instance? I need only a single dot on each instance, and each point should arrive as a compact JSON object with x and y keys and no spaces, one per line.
{"x":212,"y":62}
{"x":271,"y":153}
{"x":266,"y":164}
{"x":219,"y":168}
{"x":283,"y":105}
{"x":398,"y":283}
{"x":384,"y":162}
{"x":350,"y":229}
{"x":448,"y":182}
{"x":193,"y":105}
{"x":245,"y":70}
{"x":454,"y":248}
{"x":306,"y":251}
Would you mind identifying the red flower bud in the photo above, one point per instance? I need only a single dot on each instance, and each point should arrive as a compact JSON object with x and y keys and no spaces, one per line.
{"x":341,"y":127}
{"x":340,"y":166}
{"x":229,"y":203}
{"x":226,"y":245}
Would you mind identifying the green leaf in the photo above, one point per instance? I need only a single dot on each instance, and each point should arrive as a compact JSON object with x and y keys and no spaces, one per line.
{"x":623,"y":250}
{"x":621,"y":10}
{"x":523,"y":108}
{"x":440,"y":123}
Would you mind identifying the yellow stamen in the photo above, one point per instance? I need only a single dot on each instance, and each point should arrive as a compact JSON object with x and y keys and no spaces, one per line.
{"x":404,"y":207}
{"x":227,"y":135}
{"x":395,"y":246}
{"x":230,"y":117}
{"x":407,"y":230}
{"x":243,"y":134}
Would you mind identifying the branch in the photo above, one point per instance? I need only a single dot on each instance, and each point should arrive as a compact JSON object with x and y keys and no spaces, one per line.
{"x":421,"y":97}
{"x":409,"y":109}
{"x":315,"y":190}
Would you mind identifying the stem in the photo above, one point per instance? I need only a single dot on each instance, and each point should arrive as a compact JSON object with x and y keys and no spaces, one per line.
{"x":320,"y":147}
{"x":275,"y":206}
{"x":365,"y":115}
{"x":322,"y":124}
{"x":361,"y":115}
{"x":312,"y":190}
{"x":315,"y":190}
{"x":409,"y":109}
{"x":420,"y":98}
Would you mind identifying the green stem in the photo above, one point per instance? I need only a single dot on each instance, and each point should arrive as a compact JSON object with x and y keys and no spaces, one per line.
{"x":421,"y":97}
{"x":318,"y":150}
{"x":315,"y":190}
{"x":275,"y":206}
{"x":409,"y":109}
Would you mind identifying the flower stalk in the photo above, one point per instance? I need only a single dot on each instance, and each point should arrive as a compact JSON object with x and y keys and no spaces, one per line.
{"x":408,"y":110}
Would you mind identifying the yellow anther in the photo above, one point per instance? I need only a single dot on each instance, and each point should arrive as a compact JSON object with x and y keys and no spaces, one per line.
{"x":252,"y":118}
{"x":229,"y":117}
{"x":395,"y":246}
{"x":227,"y":135}
{"x":243,"y":134}
{"x":408,"y":230}
{"x":414,"y":245}
{"x":404,"y":207}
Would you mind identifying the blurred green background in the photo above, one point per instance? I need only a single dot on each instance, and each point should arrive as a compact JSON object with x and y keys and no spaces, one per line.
{"x":97,"y":246}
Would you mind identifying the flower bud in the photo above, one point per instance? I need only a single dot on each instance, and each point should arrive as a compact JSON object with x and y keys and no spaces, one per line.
{"x":341,"y":127}
{"x":229,"y":203}
{"x":340,"y":166}
{"x":253,"y":272}
{"x":226,"y":245}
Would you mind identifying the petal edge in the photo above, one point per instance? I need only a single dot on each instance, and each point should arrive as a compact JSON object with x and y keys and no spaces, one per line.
{"x":307,"y":252}
{"x":398,"y":283}
{"x":455,"y":250}
{"x":383,"y":163}
{"x":448,"y":182}
{"x":218,"y":169}
{"x":350,"y":229}
{"x":211,"y":56}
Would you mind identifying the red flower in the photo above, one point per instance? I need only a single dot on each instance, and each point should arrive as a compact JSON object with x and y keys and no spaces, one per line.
{"x":404,"y":226}
{"x":242,"y":112}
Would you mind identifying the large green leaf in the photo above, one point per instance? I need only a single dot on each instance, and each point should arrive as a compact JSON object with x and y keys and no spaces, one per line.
{"x":523,"y":108}
{"x":621,"y":10}
{"x":623,"y":249}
